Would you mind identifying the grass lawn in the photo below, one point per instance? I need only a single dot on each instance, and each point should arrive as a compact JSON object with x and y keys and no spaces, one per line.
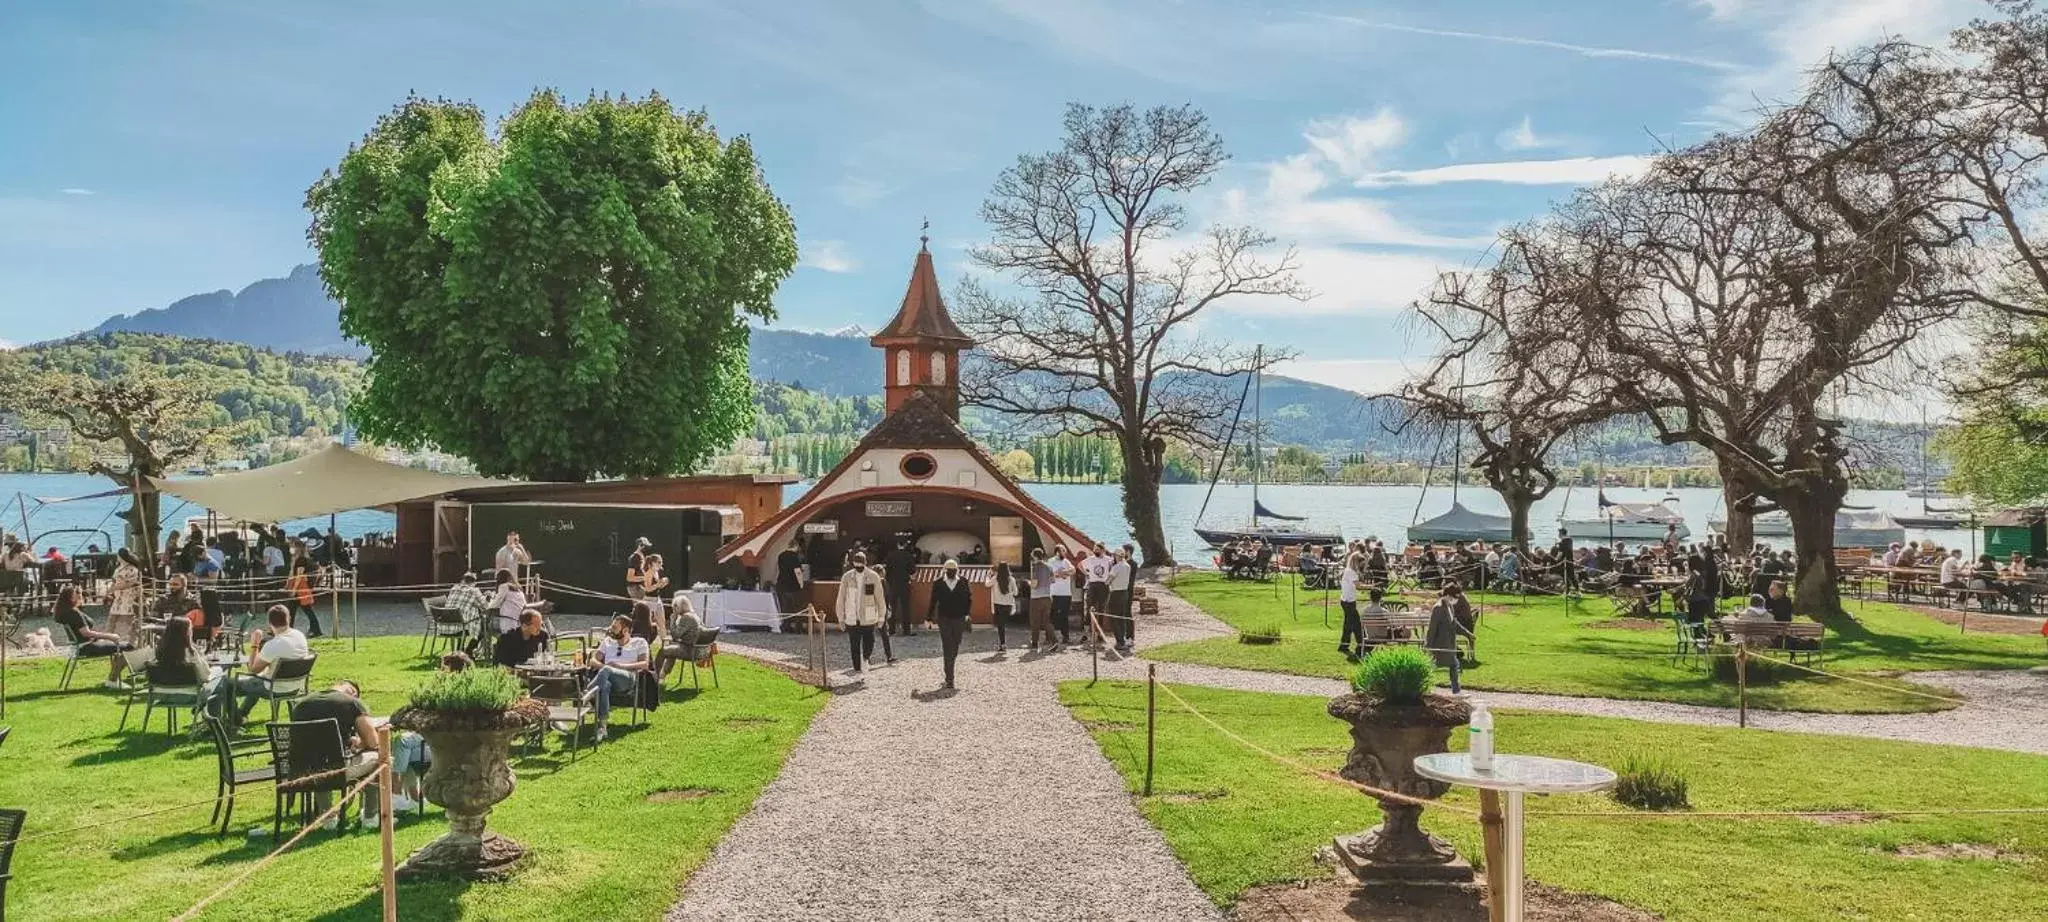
{"x":598,"y":848}
{"x":1538,"y":644}
{"x":1255,"y":822}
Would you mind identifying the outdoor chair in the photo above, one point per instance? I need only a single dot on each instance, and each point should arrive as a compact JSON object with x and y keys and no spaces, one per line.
{"x":232,"y":636}
{"x":234,"y":756}
{"x":1689,"y":640}
{"x":288,"y":682}
{"x":1630,"y":602}
{"x":702,"y":647}
{"x":568,"y":702}
{"x":3,"y":734}
{"x":309,"y":760}
{"x":71,"y":659}
{"x":444,"y":623}
{"x":170,"y":686}
{"x":10,"y":832}
{"x":134,"y":681}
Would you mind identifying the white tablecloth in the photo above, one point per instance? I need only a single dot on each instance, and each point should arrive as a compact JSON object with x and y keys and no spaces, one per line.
{"x":737,"y":608}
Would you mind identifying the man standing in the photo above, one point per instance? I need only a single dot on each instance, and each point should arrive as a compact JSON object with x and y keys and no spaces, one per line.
{"x":1562,"y":553}
{"x":952,"y":601}
{"x":1121,"y":623}
{"x":1095,"y":589}
{"x":636,"y":565}
{"x":863,"y":604}
{"x":898,"y":566}
{"x":789,"y":580}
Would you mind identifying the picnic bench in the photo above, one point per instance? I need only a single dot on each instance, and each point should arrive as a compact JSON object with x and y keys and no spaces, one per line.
{"x":1796,"y":638}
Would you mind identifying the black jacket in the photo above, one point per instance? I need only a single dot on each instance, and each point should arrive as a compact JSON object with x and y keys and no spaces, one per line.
{"x":953,"y":601}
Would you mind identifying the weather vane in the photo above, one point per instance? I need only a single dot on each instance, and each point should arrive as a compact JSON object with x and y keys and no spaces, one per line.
{"x":924,"y":237}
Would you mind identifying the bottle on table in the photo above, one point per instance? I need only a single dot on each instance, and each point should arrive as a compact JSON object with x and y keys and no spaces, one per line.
{"x":1479,"y":741}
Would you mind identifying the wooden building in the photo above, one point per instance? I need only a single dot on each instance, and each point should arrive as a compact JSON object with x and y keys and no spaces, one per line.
{"x":916,"y":476}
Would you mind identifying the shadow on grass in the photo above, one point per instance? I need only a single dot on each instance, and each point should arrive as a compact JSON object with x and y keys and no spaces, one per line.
{"x":126,"y":746}
{"x":429,"y":899}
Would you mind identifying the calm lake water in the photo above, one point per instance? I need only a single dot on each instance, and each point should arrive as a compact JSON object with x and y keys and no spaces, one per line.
{"x":1095,"y":509}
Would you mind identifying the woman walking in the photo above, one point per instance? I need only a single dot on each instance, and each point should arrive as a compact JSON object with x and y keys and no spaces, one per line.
{"x":300,"y":587}
{"x":124,"y":598}
{"x":952,"y":600}
{"x":1347,"y":598}
{"x":1003,"y":601}
{"x":862,"y":605}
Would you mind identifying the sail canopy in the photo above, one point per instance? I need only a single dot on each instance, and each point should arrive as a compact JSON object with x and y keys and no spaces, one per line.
{"x":333,"y":479}
{"x":1462,"y":524}
{"x":1259,"y":510}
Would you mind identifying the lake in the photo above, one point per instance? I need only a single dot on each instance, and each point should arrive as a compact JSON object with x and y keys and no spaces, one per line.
{"x":1355,"y":511}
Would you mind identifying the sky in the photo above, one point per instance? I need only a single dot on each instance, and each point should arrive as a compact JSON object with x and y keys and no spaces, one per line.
{"x":160,"y":149}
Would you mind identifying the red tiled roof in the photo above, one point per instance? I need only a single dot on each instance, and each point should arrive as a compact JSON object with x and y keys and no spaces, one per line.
{"x":923,"y":315}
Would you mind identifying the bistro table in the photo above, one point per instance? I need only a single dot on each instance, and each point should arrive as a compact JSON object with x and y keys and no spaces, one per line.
{"x":1514,"y":776}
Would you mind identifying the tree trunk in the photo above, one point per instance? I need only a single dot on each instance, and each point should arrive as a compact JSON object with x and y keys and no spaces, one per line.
{"x":1519,"y":499}
{"x":1813,"y":545}
{"x":1740,"y":530}
{"x":1141,"y":504}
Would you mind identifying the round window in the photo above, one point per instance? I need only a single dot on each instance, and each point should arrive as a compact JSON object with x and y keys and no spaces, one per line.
{"x":919,"y":466}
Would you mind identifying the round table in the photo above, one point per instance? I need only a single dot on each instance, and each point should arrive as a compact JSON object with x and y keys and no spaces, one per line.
{"x":1515,"y":776}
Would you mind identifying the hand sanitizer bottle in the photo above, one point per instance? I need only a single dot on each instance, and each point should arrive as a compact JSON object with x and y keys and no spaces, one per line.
{"x":1479,"y":742}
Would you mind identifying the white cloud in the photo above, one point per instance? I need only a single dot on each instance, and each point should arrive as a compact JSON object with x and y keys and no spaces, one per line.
{"x":1294,"y":203}
{"x":1800,"y":35}
{"x":829,"y":256}
{"x":1352,"y":143}
{"x":1361,"y":376}
{"x":1568,"y":171}
{"x":1523,"y":136}
{"x":74,"y":190}
{"x":1590,"y":51}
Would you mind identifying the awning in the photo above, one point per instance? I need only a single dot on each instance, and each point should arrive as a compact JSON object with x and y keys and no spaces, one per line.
{"x":331,"y":480}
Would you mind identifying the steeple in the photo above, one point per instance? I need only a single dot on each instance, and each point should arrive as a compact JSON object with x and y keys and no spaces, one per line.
{"x":921,"y":346}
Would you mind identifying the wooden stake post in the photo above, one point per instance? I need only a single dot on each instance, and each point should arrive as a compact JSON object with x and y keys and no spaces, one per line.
{"x":1742,"y":685}
{"x":386,"y":822}
{"x":1496,"y":858}
{"x":1151,"y":719}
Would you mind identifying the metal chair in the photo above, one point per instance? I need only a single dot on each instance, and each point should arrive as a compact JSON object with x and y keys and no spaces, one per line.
{"x":171,"y":686}
{"x":4,"y":731}
{"x":704,"y":646}
{"x":444,"y":622}
{"x":568,"y":702}
{"x":228,"y":751}
{"x":11,"y":822}
{"x":134,"y":681}
{"x":288,"y":682}
{"x":309,"y":760}
{"x":71,"y":660}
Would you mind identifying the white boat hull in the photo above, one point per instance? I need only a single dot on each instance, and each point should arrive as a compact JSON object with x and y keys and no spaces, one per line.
{"x":1599,"y":530}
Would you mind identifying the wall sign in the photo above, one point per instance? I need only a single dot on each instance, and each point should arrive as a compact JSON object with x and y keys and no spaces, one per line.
{"x":827,"y":529}
{"x":888,"y":508}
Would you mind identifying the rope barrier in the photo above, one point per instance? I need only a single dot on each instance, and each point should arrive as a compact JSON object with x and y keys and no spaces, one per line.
{"x":197,"y":803}
{"x":1846,"y":678}
{"x":341,"y":803}
{"x":1785,"y":814}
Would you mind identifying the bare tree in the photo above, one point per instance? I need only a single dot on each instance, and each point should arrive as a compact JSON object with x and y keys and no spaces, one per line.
{"x":1100,"y":340}
{"x":1509,"y":373}
{"x":1747,"y":283}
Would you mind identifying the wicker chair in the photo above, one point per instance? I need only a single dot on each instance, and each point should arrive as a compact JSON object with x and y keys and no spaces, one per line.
{"x":10,"y":831}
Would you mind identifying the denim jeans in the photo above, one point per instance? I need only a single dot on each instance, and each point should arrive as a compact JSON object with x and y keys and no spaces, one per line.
{"x":252,"y":689}
{"x":1456,"y":666}
{"x":609,"y":682}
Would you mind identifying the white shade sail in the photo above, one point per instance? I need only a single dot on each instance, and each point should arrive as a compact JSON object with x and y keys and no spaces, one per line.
{"x":331,"y":480}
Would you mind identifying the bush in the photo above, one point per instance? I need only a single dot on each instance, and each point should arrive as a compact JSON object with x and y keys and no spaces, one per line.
{"x":1650,"y":783}
{"x":1395,"y":674}
{"x":473,"y":689}
{"x":1263,"y":634}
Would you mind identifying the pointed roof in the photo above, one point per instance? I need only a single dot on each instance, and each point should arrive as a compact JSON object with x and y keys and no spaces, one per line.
{"x":923,"y":315}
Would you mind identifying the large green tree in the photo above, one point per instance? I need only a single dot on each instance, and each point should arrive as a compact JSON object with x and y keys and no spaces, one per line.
{"x":566,"y":298}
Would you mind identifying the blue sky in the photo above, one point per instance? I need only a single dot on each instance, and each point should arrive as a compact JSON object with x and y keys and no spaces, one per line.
{"x":155,"y":150}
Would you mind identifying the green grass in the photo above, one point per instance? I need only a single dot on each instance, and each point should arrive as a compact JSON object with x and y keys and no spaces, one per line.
{"x":1539,"y":644}
{"x":599,"y":848}
{"x":1258,"y":823}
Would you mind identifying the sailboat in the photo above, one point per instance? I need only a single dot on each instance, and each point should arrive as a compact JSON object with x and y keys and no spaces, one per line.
{"x":1257,"y":530}
{"x":1629,"y":521}
{"x":1931,"y":517}
{"x":1460,"y":525}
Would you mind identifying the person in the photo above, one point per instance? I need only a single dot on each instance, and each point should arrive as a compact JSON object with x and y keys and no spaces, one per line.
{"x":1448,"y":619}
{"x":1952,"y":570}
{"x":1891,"y":555}
{"x":1094,"y":570}
{"x":646,"y":626}
{"x":622,"y":657}
{"x":266,"y":650}
{"x":680,"y":638}
{"x":124,"y":596}
{"x":175,"y":651}
{"x":1122,"y":625}
{"x":1062,"y":593}
{"x":1567,"y":560}
{"x":898,"y":566}
{"x":1002,"y":596}
{"x":636,"y":565}
{"x":206,"y":573}
{"x":1702,"y":588}
{"x":173,"y":553}
{"x":651,"y":579}
{"x":508,"y":600}
{"x":273,"y":559}
{"x":789,"y":580}
{"x":512,"y":555}
{"x":952,"y":602}
{"x":300,"y":587}
{"x":862,"y":605}
{"x":522,"y":644}
{"x":1375,"y":604}
{"x":177,"y":601}
{"x":1777,"y":603}
{"x":93,"y":642}
{"x":342,"y":703}
{"x":468,"y":601}
{"x":1510,"y":569}
{"x":1351,"y":639}
{"x":1040,"y":611}
{"x":1671,"y":537}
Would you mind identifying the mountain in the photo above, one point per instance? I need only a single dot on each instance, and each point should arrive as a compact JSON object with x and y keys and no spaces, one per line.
{"x":291,"y":314}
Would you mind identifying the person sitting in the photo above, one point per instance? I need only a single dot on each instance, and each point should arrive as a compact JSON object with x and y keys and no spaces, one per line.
{"x":342,"y":703}
{"x":469,"y":602}
{"x":1778,"y":603}
{"x":680,"y":644}
{"x":622,"y":658}
{"x":174,"y":651}
{"x":267,"y":648}
{"x":93,"y":643}
{"x":176,"y":601}
{"x":522,"y":644}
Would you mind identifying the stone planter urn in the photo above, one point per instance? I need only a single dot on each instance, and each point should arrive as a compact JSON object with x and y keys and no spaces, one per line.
{"x":471,"y":774}
{"x":1385,"y":739}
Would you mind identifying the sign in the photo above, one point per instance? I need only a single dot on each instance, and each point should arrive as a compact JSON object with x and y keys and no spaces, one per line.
{"x":888,"y":508}
{"x":828,"y":529}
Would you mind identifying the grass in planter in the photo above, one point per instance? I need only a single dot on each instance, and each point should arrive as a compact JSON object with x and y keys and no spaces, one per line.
{"x":1541,"y":644}
{"x":600,"y":848}
{"x":1650,"y":782}
{"x":480,"y":688}
{"x":1258,"y":823}
{"x":1264,"y":633}
{"x":1397,"y":675}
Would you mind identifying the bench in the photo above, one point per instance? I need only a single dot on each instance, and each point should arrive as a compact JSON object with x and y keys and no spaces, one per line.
{"x":1776,"y":635}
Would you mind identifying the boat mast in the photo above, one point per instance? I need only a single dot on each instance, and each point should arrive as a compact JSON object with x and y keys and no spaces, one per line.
{"x":1258,"y":392}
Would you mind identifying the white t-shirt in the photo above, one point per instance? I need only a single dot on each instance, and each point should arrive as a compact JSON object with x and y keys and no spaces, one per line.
{"x":1347,"y":586}
{"x":1062,"y":578}
{"x":1097,"y":568}
{"x":283,"y":645}
{"x":1120,"y":576}
{"x":614,"y":654}
{"x":1949,"y":566}
{"x":273,"y":557}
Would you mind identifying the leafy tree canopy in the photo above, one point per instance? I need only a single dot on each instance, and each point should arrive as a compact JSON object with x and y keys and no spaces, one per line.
{"x":566,"y":298}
